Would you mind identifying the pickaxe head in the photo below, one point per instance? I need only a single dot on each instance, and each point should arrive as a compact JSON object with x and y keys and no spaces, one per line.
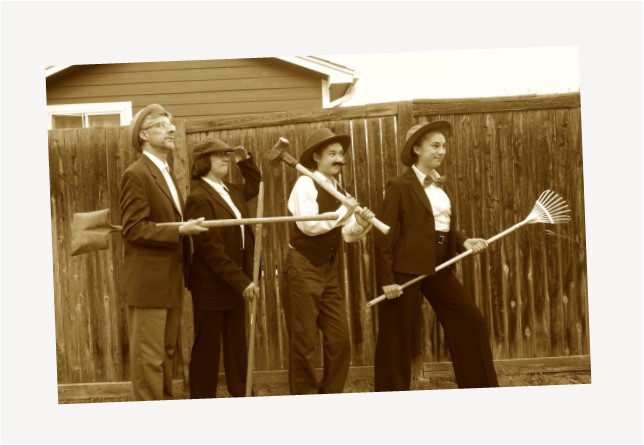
{"x":278,"y":153}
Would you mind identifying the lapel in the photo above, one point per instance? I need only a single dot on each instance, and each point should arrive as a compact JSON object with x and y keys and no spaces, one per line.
{"x":414,"y":183}
{"x":217,"y":197}
{"x":160,"y":181}
{"x":238,"y":199}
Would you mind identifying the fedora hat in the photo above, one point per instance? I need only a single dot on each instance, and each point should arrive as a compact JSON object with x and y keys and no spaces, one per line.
{"x":209,"y":146}
{"x":407,"y":156}
{"x":137,"y":120}
{"x":320,"y":138}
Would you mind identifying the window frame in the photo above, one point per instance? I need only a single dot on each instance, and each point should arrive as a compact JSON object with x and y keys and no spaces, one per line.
{"x":123,"y":109}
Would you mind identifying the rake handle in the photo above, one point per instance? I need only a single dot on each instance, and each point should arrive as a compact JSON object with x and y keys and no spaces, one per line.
{"x":449,"y":262}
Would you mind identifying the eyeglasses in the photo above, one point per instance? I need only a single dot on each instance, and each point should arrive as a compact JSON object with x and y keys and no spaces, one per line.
{"x":163,"y":125}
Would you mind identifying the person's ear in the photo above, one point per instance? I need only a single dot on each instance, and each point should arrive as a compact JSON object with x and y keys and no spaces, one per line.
{"x":416,"y":149}
{"x":143,"y":135}
{"x":316,"y":158}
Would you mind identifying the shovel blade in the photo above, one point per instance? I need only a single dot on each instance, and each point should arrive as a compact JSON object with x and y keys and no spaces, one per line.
{"x":90,"y":230}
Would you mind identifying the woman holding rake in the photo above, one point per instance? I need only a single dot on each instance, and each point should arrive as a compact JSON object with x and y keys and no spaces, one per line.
{"x":422,"y":215}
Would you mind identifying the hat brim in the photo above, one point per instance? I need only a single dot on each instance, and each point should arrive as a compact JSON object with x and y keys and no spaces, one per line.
{"x":306,"y":158}
{"x":137,"y":121}
{"x":214,"y":150}
{"x":406,"y":155}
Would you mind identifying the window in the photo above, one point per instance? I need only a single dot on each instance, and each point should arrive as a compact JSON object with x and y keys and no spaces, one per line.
{"x":110,"y":114}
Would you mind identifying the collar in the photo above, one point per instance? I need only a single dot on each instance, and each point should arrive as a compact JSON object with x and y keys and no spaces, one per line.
{"x":332,"y":181}
{"x":162,"y":165}
{"x":219,"y":187}
{"x":421,"y":176}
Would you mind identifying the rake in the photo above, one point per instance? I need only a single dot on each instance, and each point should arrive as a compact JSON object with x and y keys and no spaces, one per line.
{"x":550,"y":208}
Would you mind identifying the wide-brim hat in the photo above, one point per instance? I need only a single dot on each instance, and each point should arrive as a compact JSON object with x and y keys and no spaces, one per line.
{"x":137,"y":121}
{"x":209,"y":146}
{"x":407,"y":156}
{"x":320,"y":138}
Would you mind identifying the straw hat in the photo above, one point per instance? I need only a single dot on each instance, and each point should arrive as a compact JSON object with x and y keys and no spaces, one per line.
{"x":137,"y":120}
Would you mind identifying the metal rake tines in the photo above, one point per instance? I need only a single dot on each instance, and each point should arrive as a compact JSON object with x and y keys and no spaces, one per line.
{"x":550,"y":208}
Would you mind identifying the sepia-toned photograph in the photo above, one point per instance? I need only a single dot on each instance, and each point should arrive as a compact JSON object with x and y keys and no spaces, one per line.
{"x":321,"y":222}
{"x":238,"y":227}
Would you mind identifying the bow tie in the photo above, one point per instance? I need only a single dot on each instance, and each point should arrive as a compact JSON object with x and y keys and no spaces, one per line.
{"x":429,"y":181}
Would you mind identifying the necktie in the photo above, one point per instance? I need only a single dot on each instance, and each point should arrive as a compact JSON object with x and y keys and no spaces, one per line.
{"x":173,"y":189}
{"x":429,"y":181}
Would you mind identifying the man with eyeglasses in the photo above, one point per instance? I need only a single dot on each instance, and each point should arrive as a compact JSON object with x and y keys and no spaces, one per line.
{"x":155,"y":257}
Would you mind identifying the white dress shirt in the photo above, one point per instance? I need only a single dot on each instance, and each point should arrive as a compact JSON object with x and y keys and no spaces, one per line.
{"x":165,"y":170}
{"x":223,"y":191}
{"x":441,"y":205}
{"x":303,"y":202}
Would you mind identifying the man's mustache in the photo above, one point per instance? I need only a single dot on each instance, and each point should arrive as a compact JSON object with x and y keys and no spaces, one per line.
{"x":340,"y":163}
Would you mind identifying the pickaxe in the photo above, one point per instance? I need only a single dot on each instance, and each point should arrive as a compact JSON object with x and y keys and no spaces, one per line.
{"x":278,"y":153}
{"x":259,"y":238}
{"x":90,"y":229}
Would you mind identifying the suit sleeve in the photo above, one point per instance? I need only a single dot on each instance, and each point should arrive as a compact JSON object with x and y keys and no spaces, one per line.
{"x":390,"y":215}
{"x":252,"y":178}
{"x":135,"y":216}
{"x":210,"y":247}
{"x":459,"y":238}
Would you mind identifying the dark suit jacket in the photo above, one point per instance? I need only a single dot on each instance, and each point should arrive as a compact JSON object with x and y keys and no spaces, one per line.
{"x":153,"y":255}
{"x":221,"y":269}
{"x":410,"y":245}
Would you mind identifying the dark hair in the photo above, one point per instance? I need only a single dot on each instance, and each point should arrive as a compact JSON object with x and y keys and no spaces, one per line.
{"x":200,"y":167}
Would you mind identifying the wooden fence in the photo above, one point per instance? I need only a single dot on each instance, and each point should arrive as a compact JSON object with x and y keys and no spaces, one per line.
{"x":531,"y":285}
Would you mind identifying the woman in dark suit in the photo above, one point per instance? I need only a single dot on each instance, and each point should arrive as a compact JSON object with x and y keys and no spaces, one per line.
{"x":424,"y":233}
{"x":221,"y":267}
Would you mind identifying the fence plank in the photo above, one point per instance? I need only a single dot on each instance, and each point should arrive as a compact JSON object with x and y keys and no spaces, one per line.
{"x":290,"y":118}
{"x":531,"y":287}
{"x":495,"y":104}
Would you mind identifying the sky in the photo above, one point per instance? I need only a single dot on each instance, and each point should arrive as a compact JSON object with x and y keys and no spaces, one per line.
{"x":388,"y":77}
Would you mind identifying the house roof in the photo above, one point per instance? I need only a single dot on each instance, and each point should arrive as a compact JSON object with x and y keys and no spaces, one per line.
{"x":334,"y":72}
{"x":340,"y":80}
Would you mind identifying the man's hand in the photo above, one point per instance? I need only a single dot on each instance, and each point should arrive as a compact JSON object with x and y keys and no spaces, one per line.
{"x":364,"y":216}
{"x":476,"y":245}
{"x":251,"y":291}
{"x":392,"y":290}
{"x":351,"y":204}
{"x":192,"y":227}
{"x":240,"y":154}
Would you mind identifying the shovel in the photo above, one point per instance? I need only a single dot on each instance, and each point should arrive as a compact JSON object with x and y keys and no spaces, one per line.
{"x":90,"y":229}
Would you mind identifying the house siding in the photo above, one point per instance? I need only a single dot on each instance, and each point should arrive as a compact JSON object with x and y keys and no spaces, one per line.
{"x":194,"y":89}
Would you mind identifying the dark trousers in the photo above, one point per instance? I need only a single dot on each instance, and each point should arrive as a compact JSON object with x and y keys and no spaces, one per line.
{"x":312,"y":301}
{"x":212,"y":328}
{"x":464,"y":326}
